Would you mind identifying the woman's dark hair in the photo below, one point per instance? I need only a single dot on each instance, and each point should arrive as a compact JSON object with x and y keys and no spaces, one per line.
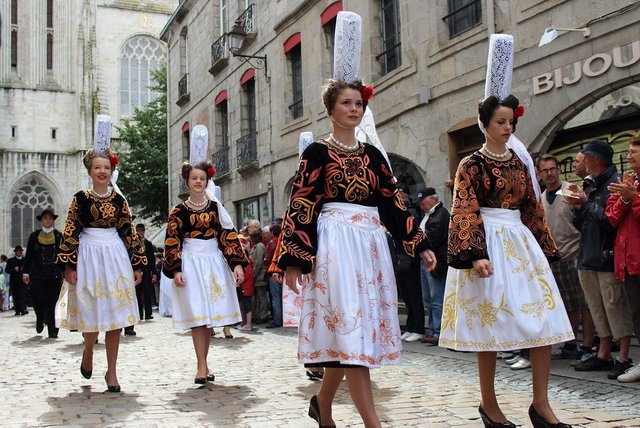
{"x":489,"y":105}
{"x":334,"y":88}
{"x":187,"y":167}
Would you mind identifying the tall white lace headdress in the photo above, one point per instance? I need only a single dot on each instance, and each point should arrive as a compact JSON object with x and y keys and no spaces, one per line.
{"x":498,"y":84}
{"x":346,"y":68}
{"x":198,"y":148}
{"x":102,"y":143}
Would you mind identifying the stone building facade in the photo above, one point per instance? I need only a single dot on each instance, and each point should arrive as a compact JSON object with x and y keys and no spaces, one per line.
{"x":61,"y":63}
{"x":427,"y":62}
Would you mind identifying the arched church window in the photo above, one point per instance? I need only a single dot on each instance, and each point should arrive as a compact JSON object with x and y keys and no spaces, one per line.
{"x":138,"y":56}
{"x":29,"y":200}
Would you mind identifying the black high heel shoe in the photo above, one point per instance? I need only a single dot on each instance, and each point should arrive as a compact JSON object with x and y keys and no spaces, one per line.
{"x":85,"y":373}
{"x":111,"y":388}
{"x":488,"y":423}
{"x":314,"y":412}
{"x":200,"y":380}
{"x":211,"y":377}
{"x":539,"y":422}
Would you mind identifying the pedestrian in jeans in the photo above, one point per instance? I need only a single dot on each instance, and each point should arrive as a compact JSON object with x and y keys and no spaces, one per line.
{"x":435,"y":224}
{"x":623,"y":211}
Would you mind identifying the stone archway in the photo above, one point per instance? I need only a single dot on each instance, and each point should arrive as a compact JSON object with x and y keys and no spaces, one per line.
{"x":27,"y":198}
{"x":407,"y":173}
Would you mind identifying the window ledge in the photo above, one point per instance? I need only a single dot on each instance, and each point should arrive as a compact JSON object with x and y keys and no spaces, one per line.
{"x":295,"y":125}
{"x":394,"y":76}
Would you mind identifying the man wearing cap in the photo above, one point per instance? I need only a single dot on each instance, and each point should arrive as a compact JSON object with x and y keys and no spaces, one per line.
{"x":408,"y":279}
{"x":435,"y":224}
{"x":18,"y":289}
{"x":605,"y":296}
{"x":42,"y":272}
{"x":144,"y":291}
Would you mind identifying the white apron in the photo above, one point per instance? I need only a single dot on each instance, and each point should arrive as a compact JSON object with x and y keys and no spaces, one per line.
{"x":518,"y":307}
{"x":209,"y":296}
{"x":349,"y":303}
{"x":104,"y":298}
{"x":166,"y":286}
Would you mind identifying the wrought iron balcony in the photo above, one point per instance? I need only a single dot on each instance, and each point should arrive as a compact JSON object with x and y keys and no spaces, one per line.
{"x":220,"y":160}
{"x":247,"y":20}
{"x":219,"y":54}
{"x":247,"y":149}
{"x":183,"y":90}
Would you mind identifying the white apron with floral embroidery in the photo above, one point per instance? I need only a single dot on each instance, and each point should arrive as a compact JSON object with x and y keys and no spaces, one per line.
{"x":291,"y":305}
{"x":208,"y":297}
{"x":518,"y":307}
{"x":349,"y":304}
{"x":104,"y":297}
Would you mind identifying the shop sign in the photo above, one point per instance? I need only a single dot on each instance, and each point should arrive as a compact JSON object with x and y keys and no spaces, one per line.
{"x":593,"y":66}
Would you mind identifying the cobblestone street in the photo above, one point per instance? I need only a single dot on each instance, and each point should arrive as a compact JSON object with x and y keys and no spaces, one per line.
{"x":259,"y":384}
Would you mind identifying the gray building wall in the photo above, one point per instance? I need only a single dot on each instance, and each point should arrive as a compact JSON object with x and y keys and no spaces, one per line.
{"x":421,"y":108}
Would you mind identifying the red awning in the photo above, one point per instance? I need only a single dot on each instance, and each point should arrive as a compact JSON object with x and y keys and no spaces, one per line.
{"x":222,"y":96}
{"x":247,"y":75}
{"x":292,"y":42}
{"x":330,"y":12}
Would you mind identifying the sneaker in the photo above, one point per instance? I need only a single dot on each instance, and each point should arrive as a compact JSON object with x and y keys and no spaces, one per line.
{"x":619,"y":368}
{"x":631,"y":375}
{"x":521,"y":364}
{"x":563,"y":354}
{"x":512,"y":360}
{"x":405,"y":335}
{"x":594,"y":364}
{"x":504,"y":355}
{"x":582,"y":356}
{"x":413,"y":337}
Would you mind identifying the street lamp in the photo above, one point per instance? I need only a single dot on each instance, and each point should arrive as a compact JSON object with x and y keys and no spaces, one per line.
{"x":236,"y":39}
{"x":551,"y":33}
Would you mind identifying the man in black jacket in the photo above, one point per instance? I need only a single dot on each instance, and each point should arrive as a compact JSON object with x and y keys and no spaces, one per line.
{"x":435,"y":224}
{"x":407,"y":272}
{"x":145,"y":292}
{"x":42,"y":271}
{"x":18,"y":289}
{"x":604,"y":294}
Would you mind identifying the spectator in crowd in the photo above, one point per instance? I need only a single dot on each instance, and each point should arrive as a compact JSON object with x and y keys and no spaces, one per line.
{"x":604,"y":294}
{"x":565,"y":270}
{"x":18,"y":289}
{"x":254,"y":224}
{"x":42,"y":272}
{"x":157,"y":273}
{"x":623,"y":211}
{"x":435,"y":223}
{"x":4,"y":295}
{"x":580,"y":168}
{"x":245,"y":293}
{"x":261,"y":298}
{"x":407,"y":272}
{"x":275,"y":286}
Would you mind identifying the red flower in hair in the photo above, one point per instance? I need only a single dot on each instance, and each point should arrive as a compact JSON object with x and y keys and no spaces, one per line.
{"x":367,"y":92}
{"x":114,"y":160}
{"x":518,"y":111}
{"x":211,"y":171}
